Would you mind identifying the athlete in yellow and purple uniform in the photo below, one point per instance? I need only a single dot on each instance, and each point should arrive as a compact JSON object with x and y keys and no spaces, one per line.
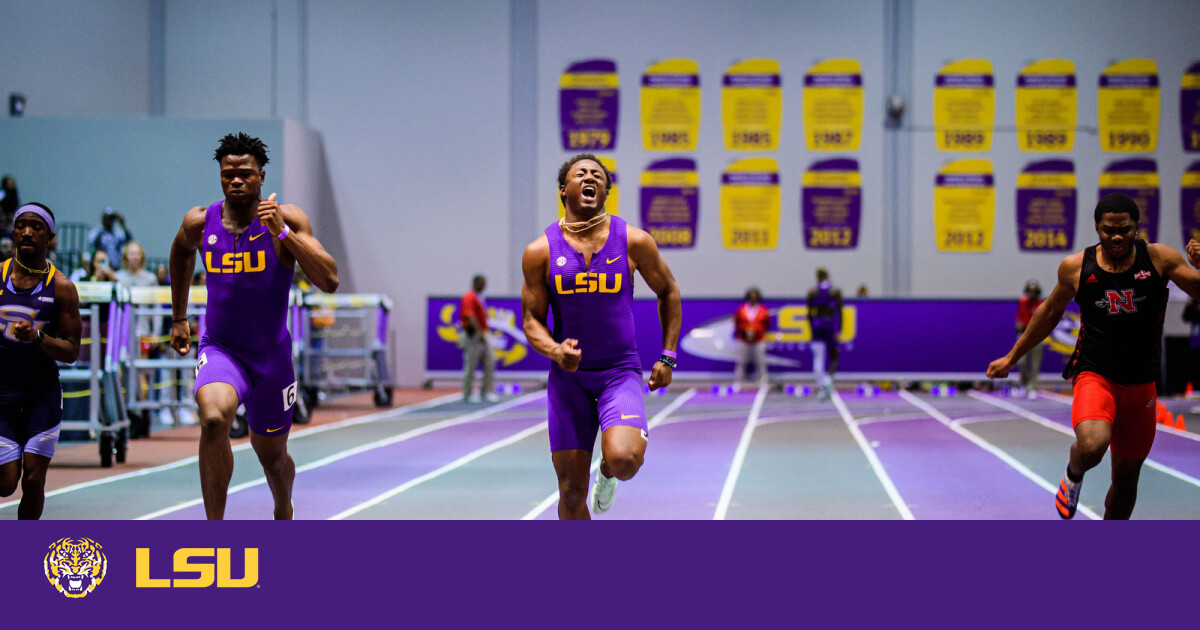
{"x":249,"y":249}
{"x":39,"y":324}
{"x":582,"y":267}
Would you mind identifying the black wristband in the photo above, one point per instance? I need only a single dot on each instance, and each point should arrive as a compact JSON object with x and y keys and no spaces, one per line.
{"x":667,"y":360}
{"x":181,"y":319}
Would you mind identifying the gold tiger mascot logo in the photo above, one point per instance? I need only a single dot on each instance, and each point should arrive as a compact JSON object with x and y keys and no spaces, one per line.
{"x":75,"y":566}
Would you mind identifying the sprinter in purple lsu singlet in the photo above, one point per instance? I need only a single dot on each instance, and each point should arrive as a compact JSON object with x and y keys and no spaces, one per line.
{"x":582,"y":268}
{"x":39,"y":324}
{"x":248,"y":248}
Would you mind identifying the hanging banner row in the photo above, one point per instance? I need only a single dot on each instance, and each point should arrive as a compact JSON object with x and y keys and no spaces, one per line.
{"x":830,"y":203}
{"x":963,"y":106}
{"x":964,"y":203}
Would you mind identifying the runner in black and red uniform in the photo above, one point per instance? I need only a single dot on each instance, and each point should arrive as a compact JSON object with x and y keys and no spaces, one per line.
{"x":1121,"y":287}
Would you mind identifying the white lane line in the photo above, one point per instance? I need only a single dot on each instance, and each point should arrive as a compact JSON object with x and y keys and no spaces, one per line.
{"x":655,"y":421}
{"x":993,"y":449}
{"x":1066,"y":400}
{"x":340,"y":455}
{"x":433,"y":474}
{"x":739,"y":456}
{"x":1050,"y":424}
{"x":869,"y":452}
{"x":341,"y":424}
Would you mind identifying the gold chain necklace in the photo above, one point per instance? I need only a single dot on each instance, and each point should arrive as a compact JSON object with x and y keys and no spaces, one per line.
{"x":22,"y":265}
{"x":580,"y":226}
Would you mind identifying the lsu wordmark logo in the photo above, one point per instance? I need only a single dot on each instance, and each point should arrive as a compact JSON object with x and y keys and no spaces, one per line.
{"x":75,"y":566}
{"x":209,"y":566}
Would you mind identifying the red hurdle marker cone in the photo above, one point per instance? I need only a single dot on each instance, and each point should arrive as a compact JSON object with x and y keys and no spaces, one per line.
{"x":1179,"y":424}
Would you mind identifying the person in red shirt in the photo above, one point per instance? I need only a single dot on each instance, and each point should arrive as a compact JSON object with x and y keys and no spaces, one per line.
{"x":749,"y":329}
{"x":474,"y":328}
{"x":1030,"y":364}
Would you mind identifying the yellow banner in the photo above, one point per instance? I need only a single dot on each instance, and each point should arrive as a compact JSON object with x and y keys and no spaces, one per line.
{"x":751,"y":105}
{"x":1046,"y":106}
{"x":671,"y":106}
{"x":833,"y":106}
{"x":610,"y":204}
{"x":964,"y":106}
{"x":1128,"y":107}
{"x":750,"y":204}
{"x":964,"y":206}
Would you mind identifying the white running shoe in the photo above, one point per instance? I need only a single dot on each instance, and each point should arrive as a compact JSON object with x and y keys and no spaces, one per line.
{"x":491,"y":397}
{"x":474,"y":398}
{"x":600,"y":499}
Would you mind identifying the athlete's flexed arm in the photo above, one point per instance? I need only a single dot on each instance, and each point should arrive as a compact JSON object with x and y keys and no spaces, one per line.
{"x":1045,"y":318}
{"x":318,"y":264}
{"x":535,"y":307}
{"x":644,"y":255}
{"x":181,"y":265}
{"x":1172,"y":266}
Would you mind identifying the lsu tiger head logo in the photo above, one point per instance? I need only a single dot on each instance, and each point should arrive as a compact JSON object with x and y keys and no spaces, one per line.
{"x":75,"y":566}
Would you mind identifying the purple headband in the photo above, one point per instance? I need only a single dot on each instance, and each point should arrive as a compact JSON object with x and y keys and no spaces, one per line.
{"x":39,"y":211}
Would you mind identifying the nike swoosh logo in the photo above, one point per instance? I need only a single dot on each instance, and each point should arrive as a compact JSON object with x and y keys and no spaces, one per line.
{"x":626,"y":416}
{"x":252,"y":238}
{"x":274,"y":430}
{"x":609,"y":261}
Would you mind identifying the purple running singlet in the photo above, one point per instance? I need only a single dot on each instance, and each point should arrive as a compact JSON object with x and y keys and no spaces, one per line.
{"x":593,"y":305}
{"x":246,"y":343}
{"x":825,"y":328}
{"x":30,"y":394}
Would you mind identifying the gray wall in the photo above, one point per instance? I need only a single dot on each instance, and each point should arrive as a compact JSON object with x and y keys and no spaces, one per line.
{"x":435,"y":142}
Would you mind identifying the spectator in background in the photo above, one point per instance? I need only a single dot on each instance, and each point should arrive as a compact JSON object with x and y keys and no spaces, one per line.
{"x":825,"y":318}
{"x":1030,"y":364}
{"x":111,"y":236}
{"x":162,"y":275}
{"x":749,"y":330}
{"x":862,"y":291}
{"x":474,"y":341}
{"x":9,"y":202}
{"x":6,"y":248}
{"x":133,"y":267}
{"x":96,"y":270}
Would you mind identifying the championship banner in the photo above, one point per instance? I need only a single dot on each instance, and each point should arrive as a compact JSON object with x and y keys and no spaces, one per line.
{"x":750,"y":204}
{"x":752,"y":105}
{"x":1046,"y":206}
{"x":588,"y":106}
{"x":964,"y":106}
{"x":1189,"y":203}
{"x":831,"y":205}
{"x":671,"y":106}
{"x":670,"y":202}
{"x":1189,"y":108}
{"x":1127,"y":107}
{"x":1137,"y":178}
{"x":978,"y":331}
{"x":611,"y":203}
{"x":1046,"y":106}
{"x":833,"y":106}
{"x":964,"y":206}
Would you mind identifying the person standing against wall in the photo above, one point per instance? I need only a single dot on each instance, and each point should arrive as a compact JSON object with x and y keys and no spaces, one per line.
{"x":475,"y":345}
{"x":750,"y":323}
{"x":1030,"y":364}
{"x":825,"y":318}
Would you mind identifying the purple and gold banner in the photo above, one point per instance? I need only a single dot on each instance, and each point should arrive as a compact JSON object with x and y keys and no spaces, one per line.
{"x":589,"y":106}
{"x":1189,"y":203}
{"x":1189,"y":108}
{"x":964,"y":206}
{"x":1046,"y":206}
{"x":670,"y":202}
{"x":671,"y":106}
{"x":831,"y":205}
{"x":752,"y":105}
{"x":454,"y":574}
{"x":1127,"y":106}
{"x":964,"y":106}
{"x":750,"y":204}
{"x":1137,"y":178}
{"x":978,"y":330}
{"x":833,"y":105}
{"x":1046,"y":106}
